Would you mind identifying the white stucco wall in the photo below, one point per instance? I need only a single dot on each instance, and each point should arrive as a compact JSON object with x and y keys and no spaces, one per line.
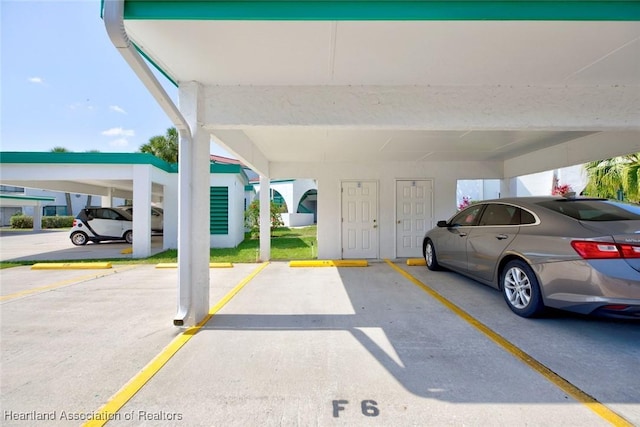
{"x":330,"y":175}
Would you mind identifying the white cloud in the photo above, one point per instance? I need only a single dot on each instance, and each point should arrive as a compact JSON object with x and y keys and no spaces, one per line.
{"x":117,"y":109}
{"x":119,"y":132}
{"x":120,"y":142}
{"x":36,"y":80}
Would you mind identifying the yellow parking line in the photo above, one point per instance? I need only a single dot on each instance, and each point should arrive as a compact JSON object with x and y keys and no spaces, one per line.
{"x":71,"y":266}
{"x":109,"y":410}
{"x":75,"y":280}
{"x":330,"y":263}
{"x":579,"y":395}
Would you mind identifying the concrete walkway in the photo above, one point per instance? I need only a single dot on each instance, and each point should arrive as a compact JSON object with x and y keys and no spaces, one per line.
{"x":300,"y":347}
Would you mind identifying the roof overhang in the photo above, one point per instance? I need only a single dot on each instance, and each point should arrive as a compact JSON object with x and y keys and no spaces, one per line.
{"x":302,"y":81}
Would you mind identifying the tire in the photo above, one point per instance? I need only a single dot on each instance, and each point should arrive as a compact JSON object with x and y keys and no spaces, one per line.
{"x":521,"y":290}
{"x":79,"y":238}
{"x":430,"y":256}
{"x":128,"y":236}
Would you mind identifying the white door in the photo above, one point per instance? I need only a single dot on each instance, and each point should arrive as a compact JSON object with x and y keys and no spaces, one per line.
{"x":413,"y":216}
{"x":359,"y":219}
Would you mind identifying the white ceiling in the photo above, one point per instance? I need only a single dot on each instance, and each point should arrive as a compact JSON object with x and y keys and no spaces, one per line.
{"x":576,"y":58}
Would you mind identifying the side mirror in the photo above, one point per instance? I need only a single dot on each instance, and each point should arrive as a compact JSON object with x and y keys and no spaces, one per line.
{"x":441,"y":223}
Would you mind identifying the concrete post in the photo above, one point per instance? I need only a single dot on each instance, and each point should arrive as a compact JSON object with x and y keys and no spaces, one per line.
{"x":37,"y":217}
{"x":509,"y":187}
{"x":141,"y":211}
{"x":265,"y":218}
{"x":193,"y":209}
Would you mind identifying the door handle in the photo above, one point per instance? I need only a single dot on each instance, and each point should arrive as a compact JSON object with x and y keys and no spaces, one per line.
{"x":502,"y":236}
{"x":462,"y":234}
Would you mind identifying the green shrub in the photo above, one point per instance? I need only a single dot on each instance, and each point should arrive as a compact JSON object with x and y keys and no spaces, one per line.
{"x":21,"y":221}
{"x":57,"y":221}
{"x":252,"y":217}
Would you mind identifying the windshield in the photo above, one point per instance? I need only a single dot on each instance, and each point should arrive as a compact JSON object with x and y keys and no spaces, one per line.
{"x":594,"y":210}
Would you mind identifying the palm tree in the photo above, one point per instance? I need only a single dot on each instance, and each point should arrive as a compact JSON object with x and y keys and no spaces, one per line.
{"x":611,"y":177}
{"x":67,"y":196}
{"x":164,"y":146}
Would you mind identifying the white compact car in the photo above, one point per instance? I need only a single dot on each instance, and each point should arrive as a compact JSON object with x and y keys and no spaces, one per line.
{"x":101,"y":224}
{"x":157,"y":217}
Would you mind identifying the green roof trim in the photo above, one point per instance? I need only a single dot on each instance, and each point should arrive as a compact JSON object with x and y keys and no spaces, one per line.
{"x":87,"y":158}
{"x":225,"y":168}
{"x":38,"y":199}
{"x":384,"y":10}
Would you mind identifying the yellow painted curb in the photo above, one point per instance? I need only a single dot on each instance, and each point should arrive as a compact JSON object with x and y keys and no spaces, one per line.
{"x":127,"y":251}
{"x":416,"y":261}
{"x":330,"y":263}
{"x":211,"y":265}
{"x":71,"y":266}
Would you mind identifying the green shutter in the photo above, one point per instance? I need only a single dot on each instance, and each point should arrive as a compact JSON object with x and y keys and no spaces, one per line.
{"x":219,"y":208}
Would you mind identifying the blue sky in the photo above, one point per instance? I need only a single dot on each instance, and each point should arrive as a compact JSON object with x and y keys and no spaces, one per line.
{"x":62,"y":83}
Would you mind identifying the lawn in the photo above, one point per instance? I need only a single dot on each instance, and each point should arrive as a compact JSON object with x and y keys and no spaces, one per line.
{"x":286,"y":244}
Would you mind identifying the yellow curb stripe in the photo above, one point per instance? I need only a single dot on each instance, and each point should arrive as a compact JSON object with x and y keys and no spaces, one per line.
{"x":416,"y":261}
{"x":74,"y":281}
{"x":211,"y":265}
{"x":127,"y":251}
{"x":71,"y":266}
{"x":330,"y":263}
{"x":579,"y":395}
{"x":135,"y":384}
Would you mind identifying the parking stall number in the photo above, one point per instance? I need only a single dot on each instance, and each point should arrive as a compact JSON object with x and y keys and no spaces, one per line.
{"x":369,"y":408}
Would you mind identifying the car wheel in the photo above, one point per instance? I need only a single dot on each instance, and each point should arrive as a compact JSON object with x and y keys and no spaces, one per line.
{"x":79,"y":238}
{"x":521,"y":290}
{"x":430,"y":256}
{"x":128,"y":236}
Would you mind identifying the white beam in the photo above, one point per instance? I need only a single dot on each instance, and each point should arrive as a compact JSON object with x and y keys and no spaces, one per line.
{"x":238,"y":143}
{"x":592,"y":147}
{"x":425,"y":107}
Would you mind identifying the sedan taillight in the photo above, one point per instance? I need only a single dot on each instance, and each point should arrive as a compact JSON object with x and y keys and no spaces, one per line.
{"x":605,"y":250}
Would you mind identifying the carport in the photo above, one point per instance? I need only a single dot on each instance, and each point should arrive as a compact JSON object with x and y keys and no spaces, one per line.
{"x":140,"y":177}
{"x":19,"y":201}
{"x":385,"y":103}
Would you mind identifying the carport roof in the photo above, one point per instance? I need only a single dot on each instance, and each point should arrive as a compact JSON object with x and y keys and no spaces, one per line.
{"x":376,"y":81}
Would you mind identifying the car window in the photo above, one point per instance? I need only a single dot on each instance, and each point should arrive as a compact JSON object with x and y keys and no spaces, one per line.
{"x":593,"y":210}
{"x":468,"y":216}
{"x":525,"y":217}
{"x":499,"y":214}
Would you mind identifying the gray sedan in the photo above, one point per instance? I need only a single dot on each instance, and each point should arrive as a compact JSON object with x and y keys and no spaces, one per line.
{"x":575,"y":254}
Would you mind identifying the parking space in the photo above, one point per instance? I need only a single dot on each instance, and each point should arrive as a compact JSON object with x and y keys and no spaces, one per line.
{"x":303,"y":346}
{"x":53,"y":245}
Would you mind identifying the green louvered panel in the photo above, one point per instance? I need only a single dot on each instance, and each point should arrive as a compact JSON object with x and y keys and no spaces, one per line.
{"x":219,"y":208}
{"x":278,"y":199}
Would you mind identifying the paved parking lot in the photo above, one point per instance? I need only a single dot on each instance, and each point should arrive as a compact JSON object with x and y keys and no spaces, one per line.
{"x":303,"y":346}
{"x":51,"y":245}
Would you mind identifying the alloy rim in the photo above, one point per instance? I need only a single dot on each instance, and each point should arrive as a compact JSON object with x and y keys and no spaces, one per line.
{"x":517,"y":288}
{"x":429,"y":254}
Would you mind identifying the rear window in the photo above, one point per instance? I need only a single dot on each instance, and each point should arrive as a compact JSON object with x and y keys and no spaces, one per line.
{"x":594,"y":210}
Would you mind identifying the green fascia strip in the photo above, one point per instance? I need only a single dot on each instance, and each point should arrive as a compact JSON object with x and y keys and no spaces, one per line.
{"x":87,"y":158}
{"x":385,"y":10}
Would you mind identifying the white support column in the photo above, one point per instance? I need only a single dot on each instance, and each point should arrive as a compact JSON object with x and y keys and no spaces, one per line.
{"x":107,"y":201}
{"x":141,"y":211}
{"x":265,"y":218}
{"x":193,"y":212}
{"x":37,"y":217}
{"x":170,"y":217}
{"x":509,"y":187}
